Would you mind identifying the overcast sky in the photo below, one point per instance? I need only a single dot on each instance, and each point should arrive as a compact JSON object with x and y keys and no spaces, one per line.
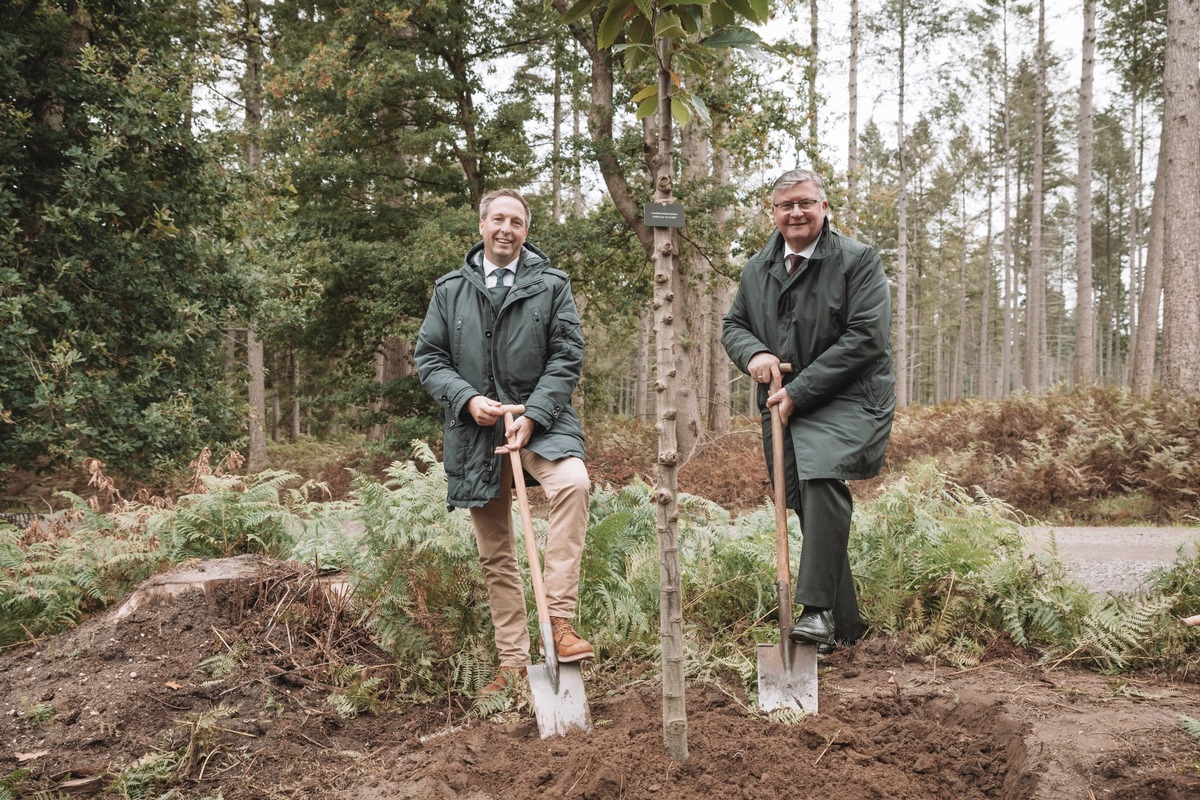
{"x":877,"y":86}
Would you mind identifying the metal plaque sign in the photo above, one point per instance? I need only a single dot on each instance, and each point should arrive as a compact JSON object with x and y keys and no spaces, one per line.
{"x":662,"y":215}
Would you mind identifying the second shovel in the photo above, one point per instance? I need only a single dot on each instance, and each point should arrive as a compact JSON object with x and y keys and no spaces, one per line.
{"x":787,"y":672}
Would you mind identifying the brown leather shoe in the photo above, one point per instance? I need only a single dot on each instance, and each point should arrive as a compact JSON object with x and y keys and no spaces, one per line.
{"x":505,"y":677}
{"x":569,"y":645}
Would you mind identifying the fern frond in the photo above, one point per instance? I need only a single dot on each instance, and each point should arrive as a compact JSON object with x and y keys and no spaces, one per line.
{"x":1116,"y":629}
{"x":1191,"y":725}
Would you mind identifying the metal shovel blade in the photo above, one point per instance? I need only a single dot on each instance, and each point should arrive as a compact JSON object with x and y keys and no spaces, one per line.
{"x":562,"y":712}
{"x":779,"y":687}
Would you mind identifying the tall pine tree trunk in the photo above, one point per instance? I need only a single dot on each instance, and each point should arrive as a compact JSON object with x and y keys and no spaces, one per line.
{"x":937,"y":375}
{"x":1008,"y":350}
{"x":694,"y":305}
{"x":377,"y":431}
{"x":721,"y":295}
{"x":276,"y":400}
{"x":983,"y":381}
{"x":556,"y":138}
{"x":957,"y":373}
{"x":294,"y":410}
{"x":641,"y":386}
{"x":901,"y":334}
{"x":810,"y":73}
{"x":1181,"y":204}
{"x":1085,"y":314}
{"x":851,"y":218}
{"x":1135,"y":226}
{"x":1035,"y":310}
{"x":1141,"y":379}
{"x":256,"y":458}
{"x":578,"y":104}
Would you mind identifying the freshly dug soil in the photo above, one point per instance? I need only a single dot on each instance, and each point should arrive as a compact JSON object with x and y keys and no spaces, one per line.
{"x":230,"y":673}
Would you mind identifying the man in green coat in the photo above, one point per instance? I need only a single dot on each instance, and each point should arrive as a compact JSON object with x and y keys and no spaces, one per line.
{"x":502,"y":330}
{"x":819,"y":301}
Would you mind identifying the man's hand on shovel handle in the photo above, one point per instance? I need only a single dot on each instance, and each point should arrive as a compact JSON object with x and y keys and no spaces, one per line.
{"x":766,"y":368}
{"x":484,"y":410}
{"x":516,"y":433}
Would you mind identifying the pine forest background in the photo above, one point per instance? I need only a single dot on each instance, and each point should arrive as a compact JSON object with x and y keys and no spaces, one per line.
{"x":222,"y":220}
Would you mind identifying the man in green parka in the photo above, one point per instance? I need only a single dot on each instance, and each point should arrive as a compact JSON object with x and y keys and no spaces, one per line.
{"x":820,"y":302}
{"x":502,"y":330}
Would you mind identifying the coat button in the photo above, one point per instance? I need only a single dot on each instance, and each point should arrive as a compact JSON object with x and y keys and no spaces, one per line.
{"x":488,"y":335}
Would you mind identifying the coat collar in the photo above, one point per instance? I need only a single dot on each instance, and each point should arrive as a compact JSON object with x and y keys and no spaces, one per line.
{"x":531,"y":259}
{"x":771,"y":256}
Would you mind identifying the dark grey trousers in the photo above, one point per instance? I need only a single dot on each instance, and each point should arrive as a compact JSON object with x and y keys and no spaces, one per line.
{"x":823,"y":578}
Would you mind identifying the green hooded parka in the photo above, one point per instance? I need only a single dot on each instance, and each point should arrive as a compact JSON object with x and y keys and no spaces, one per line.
{"x":529,"y":351}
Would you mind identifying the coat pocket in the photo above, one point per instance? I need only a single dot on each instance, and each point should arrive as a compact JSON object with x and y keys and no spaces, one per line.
{"x":875,"y":390}
{"x":455,"y":440}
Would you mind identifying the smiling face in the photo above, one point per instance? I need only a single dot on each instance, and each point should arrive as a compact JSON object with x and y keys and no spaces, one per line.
{"x":800,"y":226}
{"x":504,"y":228}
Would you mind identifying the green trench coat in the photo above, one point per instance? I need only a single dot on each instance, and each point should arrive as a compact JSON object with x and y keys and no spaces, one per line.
{"x":831,"y":320}
{"x":530,"y":352}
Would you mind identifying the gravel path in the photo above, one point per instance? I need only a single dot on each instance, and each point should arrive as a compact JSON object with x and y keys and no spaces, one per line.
{"x":1114,"y":559}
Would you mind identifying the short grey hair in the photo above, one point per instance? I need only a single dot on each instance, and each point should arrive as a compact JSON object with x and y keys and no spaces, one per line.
{"x":487,"y":199}
{"x":793,"y":176}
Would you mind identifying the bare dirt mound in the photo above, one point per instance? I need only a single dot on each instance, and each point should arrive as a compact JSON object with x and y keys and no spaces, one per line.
{"x":909,"y":748}
{"x":224,"y":693}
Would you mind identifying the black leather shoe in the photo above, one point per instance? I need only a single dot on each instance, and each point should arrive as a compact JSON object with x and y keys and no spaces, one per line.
{"x":813,"y":626}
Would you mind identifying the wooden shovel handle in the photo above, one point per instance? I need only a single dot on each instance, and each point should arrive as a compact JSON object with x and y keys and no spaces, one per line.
{"x":781,"y":540}
{"x":782,"y":557}
{"x":531,"y":550}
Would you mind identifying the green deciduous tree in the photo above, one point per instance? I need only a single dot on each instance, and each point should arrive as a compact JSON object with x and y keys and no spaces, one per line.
{"x":385,"y":126}
{"x":114,"y":280}
{"x":673,"y":39}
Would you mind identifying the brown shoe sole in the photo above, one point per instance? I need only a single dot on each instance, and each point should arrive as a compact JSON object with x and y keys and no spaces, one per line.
{"x":569,"y":659}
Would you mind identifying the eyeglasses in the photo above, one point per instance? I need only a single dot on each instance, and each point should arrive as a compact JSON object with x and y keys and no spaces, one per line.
{"x":803,"y":205}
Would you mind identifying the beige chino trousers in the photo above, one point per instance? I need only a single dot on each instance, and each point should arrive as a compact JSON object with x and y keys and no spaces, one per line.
{"x":567,"y":487}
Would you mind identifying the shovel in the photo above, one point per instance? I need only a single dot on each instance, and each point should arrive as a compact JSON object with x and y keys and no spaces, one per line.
{"x":559,"y":701}
{"x":787,"y":672}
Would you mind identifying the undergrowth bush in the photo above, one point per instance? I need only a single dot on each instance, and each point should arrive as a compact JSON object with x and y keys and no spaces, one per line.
{"x":951,"y":573}
{"x":1064,"y":454}
{"x":619,"y":580}
{"x":415,"y":569}
{"x":1171,"y":645}
{"x":945,"y":570}
{"x":58,"y":570}
{"x":82,"y":560}
{"x":233,"y":514}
